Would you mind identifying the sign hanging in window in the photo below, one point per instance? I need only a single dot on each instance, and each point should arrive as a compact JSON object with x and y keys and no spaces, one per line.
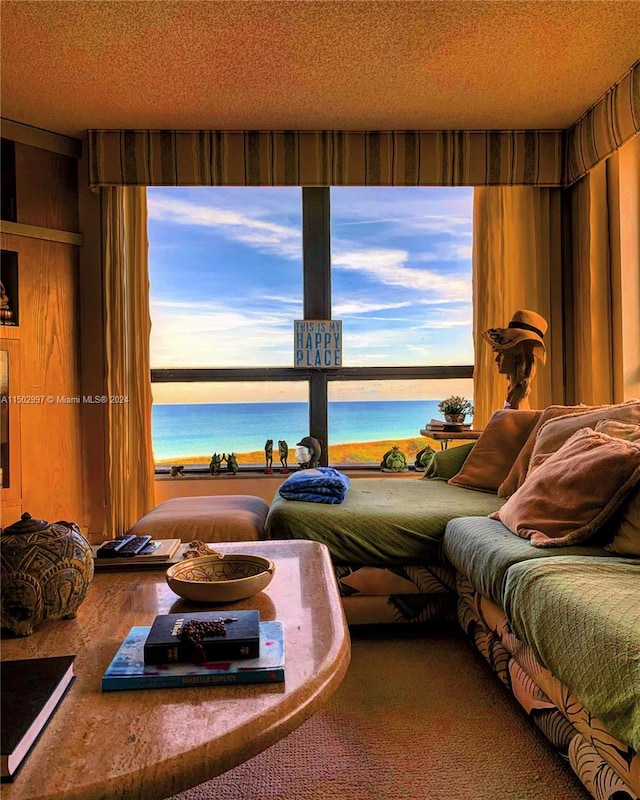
{"x":317,"y":343}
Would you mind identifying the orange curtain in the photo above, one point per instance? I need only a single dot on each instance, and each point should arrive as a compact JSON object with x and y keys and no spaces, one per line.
{"x":516,"y":265}
{"x":604,"y":339}
{"x":130,"y":467}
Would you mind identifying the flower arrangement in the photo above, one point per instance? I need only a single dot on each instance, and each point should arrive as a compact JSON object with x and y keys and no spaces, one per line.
{"x":455,"y":406}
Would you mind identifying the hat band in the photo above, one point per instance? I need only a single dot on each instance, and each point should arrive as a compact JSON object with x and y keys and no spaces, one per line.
{"x":526,"y":327}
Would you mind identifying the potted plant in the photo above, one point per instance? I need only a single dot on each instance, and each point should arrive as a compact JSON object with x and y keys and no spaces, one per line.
{"x":455,"y":408}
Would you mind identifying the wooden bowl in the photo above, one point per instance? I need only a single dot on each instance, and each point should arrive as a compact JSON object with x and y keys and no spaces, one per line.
{"x":211,"y":579}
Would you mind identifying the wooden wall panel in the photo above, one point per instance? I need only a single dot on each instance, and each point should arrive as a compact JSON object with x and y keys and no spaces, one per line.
{"x":46,"y":188}
{"x":10,"y":411}
{"x":49,"y":344}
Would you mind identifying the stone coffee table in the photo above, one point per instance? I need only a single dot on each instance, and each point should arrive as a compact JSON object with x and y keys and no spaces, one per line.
{"x":154,"y":743}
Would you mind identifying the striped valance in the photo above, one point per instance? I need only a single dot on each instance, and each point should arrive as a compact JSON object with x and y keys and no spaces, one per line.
{"x":369,"y":158}
{"x":605,"y":127}
{"x":325,"y":158}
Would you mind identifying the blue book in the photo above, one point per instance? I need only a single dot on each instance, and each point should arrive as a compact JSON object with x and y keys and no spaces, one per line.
{"x":128,"y":670}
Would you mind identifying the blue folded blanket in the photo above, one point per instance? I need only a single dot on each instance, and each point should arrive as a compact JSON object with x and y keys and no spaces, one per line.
{"x":319,"y":485}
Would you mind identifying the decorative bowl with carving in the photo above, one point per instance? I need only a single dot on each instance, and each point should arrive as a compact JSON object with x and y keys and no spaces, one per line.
{"x":214,"y":579}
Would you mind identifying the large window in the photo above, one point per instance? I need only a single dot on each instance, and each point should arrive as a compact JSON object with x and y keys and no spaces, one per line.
{"x":231,"y":269}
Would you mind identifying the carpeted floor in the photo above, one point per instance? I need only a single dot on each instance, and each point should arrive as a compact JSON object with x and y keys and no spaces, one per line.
{"x":415,"y":719}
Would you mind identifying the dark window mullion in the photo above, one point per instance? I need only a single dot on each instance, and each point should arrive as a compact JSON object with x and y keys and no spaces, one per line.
{"x":316,"y":257}
{"x":316,"y":252}
{"x":203,"y":375}
{"x":318,"y":416}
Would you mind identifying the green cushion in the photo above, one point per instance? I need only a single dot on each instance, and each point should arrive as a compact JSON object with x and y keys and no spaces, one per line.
{"x":447,"y":463}
{"x":382,"y":521}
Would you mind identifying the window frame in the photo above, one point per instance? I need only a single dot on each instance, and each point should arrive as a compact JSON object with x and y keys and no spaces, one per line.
{"x":316,"y":264}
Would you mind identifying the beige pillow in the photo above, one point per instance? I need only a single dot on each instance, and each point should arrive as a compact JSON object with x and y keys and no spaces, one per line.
{"x":495,"y":451}
{"x":554,"y":433}
{"x":621,"y":430}
{"x":575,"y":491}
{"x":626,"y":526}
{"x":518,"y":471}
{"x":626,"y":538}
{"x":209,"y":518}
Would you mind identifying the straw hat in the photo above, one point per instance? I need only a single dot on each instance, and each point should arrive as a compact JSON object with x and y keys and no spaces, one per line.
{"x":525,"y":326}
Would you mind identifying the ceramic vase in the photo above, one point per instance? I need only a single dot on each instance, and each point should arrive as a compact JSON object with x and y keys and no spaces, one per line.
{"x":46,"y":571}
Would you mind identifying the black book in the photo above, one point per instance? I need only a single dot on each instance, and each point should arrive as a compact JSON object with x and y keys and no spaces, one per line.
{"x":241,"y":639}
{"x":30,"y":691}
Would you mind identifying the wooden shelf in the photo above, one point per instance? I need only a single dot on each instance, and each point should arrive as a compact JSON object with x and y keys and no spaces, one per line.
{"x":37,"y":232}
{"x":9,"y":332}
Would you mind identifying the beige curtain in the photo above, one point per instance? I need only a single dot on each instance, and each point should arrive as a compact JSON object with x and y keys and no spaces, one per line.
{"x":130,"y":465}
{"x":516,"y":264}
{"x":604,"y":340}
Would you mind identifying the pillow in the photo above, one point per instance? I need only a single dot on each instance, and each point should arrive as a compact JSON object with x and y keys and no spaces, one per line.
{"x":626,"y":526}
{"x":225,"y":518}
{"x":621,"y":430}
{"x":518,"y":471}
{"x":495,"y":451}
{"x":626,"y":537}
{"x":574,"y":492}
{"x":554,"y":433}
{"x":446,"y":463}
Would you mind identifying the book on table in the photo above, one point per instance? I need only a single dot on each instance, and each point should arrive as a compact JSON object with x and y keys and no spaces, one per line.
{"x":158,"y":553}
{"x":442,"y":426}
{"x":127,"y":670}
{"x":435,"y":425}
{"x":240,"y":638}
{"x":30,"y":691}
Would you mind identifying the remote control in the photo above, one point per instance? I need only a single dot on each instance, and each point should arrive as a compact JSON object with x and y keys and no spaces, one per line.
{"x":113,"y":548}
{"x":137,"y":545}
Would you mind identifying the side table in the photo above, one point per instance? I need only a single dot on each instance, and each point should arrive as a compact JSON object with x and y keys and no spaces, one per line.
{"x":444,"y":437}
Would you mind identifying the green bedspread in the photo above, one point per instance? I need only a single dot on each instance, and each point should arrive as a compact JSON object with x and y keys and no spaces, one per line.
{"x":382,"y":520}
{"x":483,"y":550}
{"x":581,"y":617}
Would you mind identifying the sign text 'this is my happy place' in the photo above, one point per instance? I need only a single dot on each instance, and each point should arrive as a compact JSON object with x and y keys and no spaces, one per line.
{"x":317,"y":343}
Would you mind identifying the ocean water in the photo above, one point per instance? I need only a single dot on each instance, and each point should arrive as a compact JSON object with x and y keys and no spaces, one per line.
{"x":205,"y":428}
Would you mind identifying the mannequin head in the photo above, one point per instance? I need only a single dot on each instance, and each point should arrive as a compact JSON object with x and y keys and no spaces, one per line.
{"x":519,"y":365}
{"x":516,"y":348}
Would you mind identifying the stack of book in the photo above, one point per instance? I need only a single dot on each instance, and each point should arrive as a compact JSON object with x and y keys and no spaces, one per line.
{"x":157,"y":554}
{"x":439,"y":426}
{"x":157,"y":657}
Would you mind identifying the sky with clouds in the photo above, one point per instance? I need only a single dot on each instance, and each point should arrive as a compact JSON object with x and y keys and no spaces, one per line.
{"x":226,"y":282}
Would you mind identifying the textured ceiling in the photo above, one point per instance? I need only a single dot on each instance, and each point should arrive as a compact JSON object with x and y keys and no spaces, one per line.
{"x":311,"y":64}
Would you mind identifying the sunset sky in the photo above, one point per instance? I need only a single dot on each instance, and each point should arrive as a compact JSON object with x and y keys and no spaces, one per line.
{"x":226,"y":284}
